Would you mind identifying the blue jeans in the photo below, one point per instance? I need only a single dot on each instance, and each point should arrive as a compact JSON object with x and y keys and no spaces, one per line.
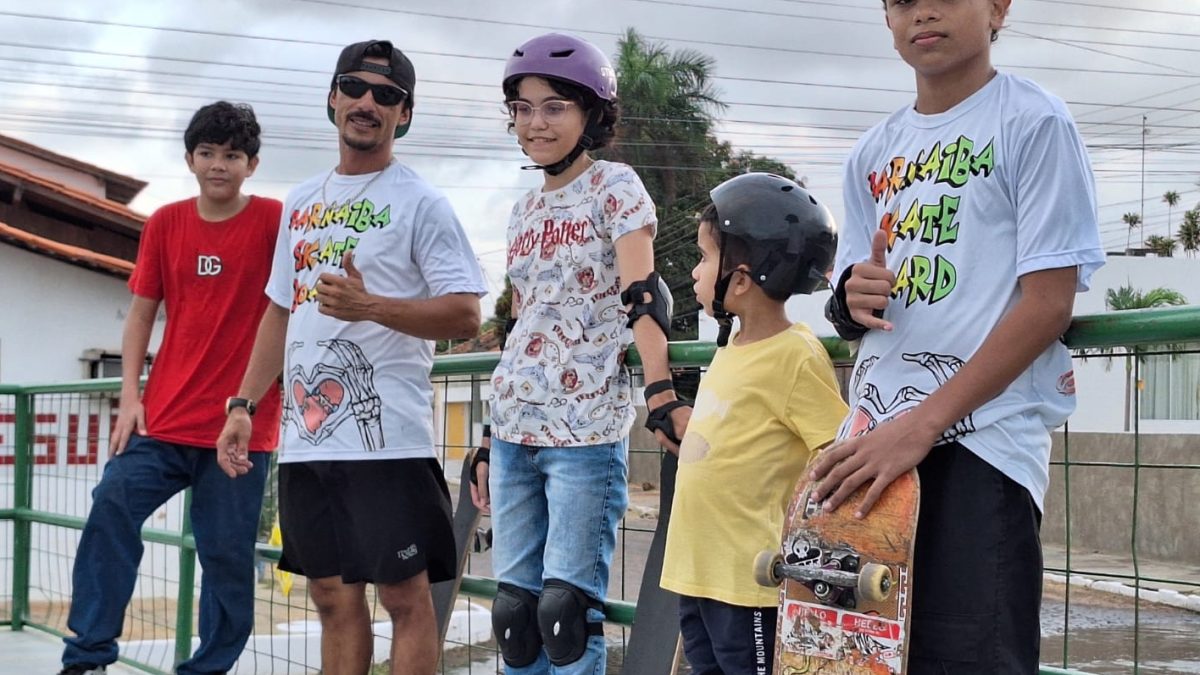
{"x":224,"y":522}
{"x":555,"y":513}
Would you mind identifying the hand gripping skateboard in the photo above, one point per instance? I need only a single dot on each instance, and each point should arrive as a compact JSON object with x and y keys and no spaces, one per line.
{"x":846,"y":584}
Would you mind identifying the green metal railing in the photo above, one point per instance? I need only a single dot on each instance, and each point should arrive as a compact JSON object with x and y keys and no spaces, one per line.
{"x":1128,"y":330}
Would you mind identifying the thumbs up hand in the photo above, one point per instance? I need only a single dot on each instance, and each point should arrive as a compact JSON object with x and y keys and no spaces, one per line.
{"x":870,"y":286}
{"x":345,"y":297}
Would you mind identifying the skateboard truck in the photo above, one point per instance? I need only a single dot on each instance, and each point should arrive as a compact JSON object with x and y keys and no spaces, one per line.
{"x":840,"y":583}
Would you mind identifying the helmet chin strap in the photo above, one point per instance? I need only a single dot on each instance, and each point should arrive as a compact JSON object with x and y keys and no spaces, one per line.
{"x":584,"y":144}
{"x":723,"y":316}
{"x":564,"y":163}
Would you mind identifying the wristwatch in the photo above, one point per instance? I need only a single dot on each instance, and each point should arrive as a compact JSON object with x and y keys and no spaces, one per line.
{"x":235,"y":402}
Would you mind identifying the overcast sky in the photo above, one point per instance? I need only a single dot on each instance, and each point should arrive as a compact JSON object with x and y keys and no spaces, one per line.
{"x":114,"y":84}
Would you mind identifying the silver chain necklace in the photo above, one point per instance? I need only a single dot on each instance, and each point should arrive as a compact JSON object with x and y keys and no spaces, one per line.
{"x":362,"y":190}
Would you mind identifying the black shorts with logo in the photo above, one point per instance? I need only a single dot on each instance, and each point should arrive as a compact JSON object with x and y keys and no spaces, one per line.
{"x":724,"y":639}
{"x":977,"y":570}
{"x":379,"y":521}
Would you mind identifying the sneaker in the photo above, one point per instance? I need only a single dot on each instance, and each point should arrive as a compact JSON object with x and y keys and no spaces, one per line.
{"x":81,"y":669}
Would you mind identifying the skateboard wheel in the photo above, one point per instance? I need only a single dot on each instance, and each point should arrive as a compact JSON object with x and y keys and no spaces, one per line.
{"x":874,"y":582}
{"x":765,"y":566}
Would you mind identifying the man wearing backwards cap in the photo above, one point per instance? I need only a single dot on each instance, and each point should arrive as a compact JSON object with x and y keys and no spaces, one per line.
{"x":370,"y":266}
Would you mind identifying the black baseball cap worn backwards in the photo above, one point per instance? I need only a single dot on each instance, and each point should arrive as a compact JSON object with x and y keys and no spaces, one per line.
{"x":399,"y":70}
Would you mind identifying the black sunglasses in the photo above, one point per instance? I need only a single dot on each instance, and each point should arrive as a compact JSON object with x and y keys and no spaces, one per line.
{"x":384,"y":94}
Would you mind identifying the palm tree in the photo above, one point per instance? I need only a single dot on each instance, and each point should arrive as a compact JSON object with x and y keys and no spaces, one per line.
{"x":1189,"y":232}
{"x":1163,"y":247}
{"x":1132,"y":220}
{"x":1126,"y":298}
{"x":1171,"y":197}
{"x":668,"y":103}
{"x":668,"y":106}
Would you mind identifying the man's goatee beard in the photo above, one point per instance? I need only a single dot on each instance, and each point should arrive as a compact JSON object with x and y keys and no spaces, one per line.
{"x":361,"y":145}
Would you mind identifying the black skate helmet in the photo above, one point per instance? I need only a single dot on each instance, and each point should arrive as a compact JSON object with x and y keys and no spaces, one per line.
{"x":790,"y":236}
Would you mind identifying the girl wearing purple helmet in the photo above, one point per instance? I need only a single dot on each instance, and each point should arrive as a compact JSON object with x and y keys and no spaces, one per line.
{"x":581,"y":261}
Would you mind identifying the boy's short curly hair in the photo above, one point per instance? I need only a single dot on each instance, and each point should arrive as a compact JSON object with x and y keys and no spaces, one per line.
{"x":224,"y":122}
{"x":587,"y":101}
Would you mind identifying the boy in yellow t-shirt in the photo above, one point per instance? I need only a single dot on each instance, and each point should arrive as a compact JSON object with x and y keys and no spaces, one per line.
{"x":767,"y":403}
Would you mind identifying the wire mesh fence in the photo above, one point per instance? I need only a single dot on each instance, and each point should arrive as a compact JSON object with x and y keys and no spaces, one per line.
{"x":1122,"y":589}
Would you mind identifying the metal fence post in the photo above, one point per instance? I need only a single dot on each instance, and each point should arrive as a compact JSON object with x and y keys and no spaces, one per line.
{"x":187,"y":585}
{"x":22,"y":503}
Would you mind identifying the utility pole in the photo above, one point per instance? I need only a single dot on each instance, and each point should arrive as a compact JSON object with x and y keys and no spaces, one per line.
{"x":1142,"y":225}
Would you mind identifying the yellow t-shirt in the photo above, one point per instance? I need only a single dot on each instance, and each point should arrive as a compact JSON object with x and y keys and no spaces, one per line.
{"x":761,"y":412}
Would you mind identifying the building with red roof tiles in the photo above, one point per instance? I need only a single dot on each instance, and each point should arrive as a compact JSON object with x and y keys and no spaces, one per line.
{"x":68,"y":243}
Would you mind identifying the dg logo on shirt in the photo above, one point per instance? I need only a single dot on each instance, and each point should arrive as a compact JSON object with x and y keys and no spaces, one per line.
{"x":208,"y":265}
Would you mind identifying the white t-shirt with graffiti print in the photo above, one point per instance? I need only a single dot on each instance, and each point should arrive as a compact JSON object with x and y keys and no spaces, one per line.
{"x":561,"y":380}
{"x":997,"y":187}
{"x":358,"y":390}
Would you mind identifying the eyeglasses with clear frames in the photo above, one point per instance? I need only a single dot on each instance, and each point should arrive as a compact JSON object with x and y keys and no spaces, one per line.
{"x":553,"y":112}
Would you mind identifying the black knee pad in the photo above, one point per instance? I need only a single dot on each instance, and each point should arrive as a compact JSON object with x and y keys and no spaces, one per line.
{"x":514,"y":621}
{"x":563,"y":623}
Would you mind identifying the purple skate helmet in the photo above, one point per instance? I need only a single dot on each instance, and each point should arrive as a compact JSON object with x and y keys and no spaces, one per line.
{"x":568,"y":59}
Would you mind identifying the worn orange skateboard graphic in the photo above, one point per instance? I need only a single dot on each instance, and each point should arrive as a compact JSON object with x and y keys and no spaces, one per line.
{"x":846,"y":584}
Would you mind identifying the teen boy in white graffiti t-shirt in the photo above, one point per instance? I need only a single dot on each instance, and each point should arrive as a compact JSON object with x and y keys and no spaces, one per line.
{"x":964,"y":207}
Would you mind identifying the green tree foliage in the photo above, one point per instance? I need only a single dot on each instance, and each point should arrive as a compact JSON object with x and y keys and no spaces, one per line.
{"x":1170,"y":198}
{"x":1131,"y":220}
{"x":1189,"y":232}
{"x":668,"y":103}
{"x":1163,"y":247}
{"x":1128,"y":297}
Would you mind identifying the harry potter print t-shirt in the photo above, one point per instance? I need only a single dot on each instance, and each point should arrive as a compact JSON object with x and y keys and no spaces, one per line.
{"x":358,"y":390}
{"x":561,"y":380}
{"x":997,"y":187}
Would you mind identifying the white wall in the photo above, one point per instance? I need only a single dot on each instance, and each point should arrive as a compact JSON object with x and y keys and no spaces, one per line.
{"x":1101,"y":391}
{"x":54,"y":311}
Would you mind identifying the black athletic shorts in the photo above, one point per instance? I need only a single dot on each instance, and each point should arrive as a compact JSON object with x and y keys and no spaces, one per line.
{"x":977,"y":570}
{"x":379,"y":521}
{"x":724,"y":639}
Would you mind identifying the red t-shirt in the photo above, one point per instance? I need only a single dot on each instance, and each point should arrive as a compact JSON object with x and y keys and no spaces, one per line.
{"x":211,"y":278}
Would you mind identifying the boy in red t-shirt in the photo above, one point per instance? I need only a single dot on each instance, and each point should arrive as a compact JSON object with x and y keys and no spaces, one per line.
{"x":197,"y":257}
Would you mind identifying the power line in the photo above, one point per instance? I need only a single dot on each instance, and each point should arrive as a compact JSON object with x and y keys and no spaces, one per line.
{"x":222,"y":34}
{"x":773,"y":49}
{"x":1125,"y":8}
{"x":438,"y":81}
{"x":470,"y":145}
{"x":743,"y":10}
{"x":1100,"y":51}
{"x":854,"y":129}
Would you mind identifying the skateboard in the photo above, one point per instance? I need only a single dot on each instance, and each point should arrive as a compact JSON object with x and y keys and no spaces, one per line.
{"x":846,"y":584}
{"x":467,"y":539}
{"x":654,"y":639}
